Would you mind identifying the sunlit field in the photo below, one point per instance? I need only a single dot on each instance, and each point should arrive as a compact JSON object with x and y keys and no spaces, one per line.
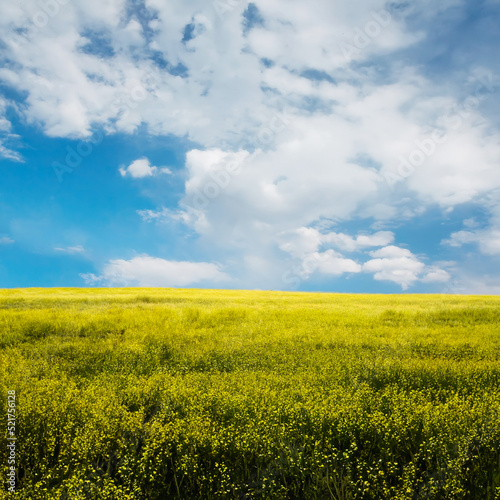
{"x":199,"y":394}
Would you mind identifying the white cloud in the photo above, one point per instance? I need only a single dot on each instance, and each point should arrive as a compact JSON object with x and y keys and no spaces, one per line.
{"x":350,"y":244}
{"x":275,"y":188}
{"x":392,"y":252}
{"x":5,"y":240}
{"x":460,"y":238}
{"x":490,"y":242}
{"x":395,"y":264}
{"x":71,"y":250}
{"x":142,"y":168}
{"x":152,"y":271}
{"x":6,"y":135}
{"x":301,"y":241}
{"x":155,"y":215}
{"x":390,"y":263}
{"x":436,"y":276}
{"x":332,"y":263}
{"x":220,"y":99}
{"x":305,"y":240}
{"x":302,"y":36}
{"x":487,"y":239}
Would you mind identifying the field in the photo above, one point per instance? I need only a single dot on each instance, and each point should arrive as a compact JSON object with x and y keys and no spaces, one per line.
{"x":198,"y":394}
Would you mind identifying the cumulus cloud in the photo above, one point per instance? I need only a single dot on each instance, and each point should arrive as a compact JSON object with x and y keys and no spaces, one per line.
{"x":142,"y":168}
{"x":145,"y":270}
{"x":276,"y":188}
{"x":390,"y":263}
{"x":460,"y":238}
{"x":350,"y":244}
{"x":301,"y":241}
{"x":305,"y":240}
{"x":436,"y":276}
{"x":395,"y":264}
{"x":488,"y":240}
{"x":5,"y":240}
{"x":329,"y":264}
{"x":332,"y":263}
{"x":336,"y":33}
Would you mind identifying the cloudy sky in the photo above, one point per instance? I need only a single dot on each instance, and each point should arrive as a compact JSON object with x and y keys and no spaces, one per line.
{"x":346,"y":146}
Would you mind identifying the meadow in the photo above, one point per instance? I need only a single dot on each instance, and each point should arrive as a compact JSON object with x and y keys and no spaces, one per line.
{"x":197,"y":394}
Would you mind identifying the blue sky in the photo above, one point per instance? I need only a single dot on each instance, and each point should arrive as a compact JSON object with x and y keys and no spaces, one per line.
{"x":287,"y":145}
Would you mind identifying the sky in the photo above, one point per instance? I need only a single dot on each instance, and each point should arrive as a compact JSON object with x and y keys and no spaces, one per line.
{"x":348,"y":146}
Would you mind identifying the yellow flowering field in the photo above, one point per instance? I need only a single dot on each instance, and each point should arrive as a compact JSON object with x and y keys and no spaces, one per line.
{"x":198,"y":394}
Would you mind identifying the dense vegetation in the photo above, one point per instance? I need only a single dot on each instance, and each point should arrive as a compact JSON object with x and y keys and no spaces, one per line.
{"x":164,"y":394}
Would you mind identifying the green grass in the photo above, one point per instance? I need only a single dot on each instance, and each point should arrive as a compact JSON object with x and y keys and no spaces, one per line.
{"x":197,"y":394}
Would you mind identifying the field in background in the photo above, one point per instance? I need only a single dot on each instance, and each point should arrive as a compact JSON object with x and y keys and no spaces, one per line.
{"x":197,"y":394}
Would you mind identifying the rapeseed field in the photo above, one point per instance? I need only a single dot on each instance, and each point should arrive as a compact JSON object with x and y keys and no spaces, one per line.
{"x":197,"y":394}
